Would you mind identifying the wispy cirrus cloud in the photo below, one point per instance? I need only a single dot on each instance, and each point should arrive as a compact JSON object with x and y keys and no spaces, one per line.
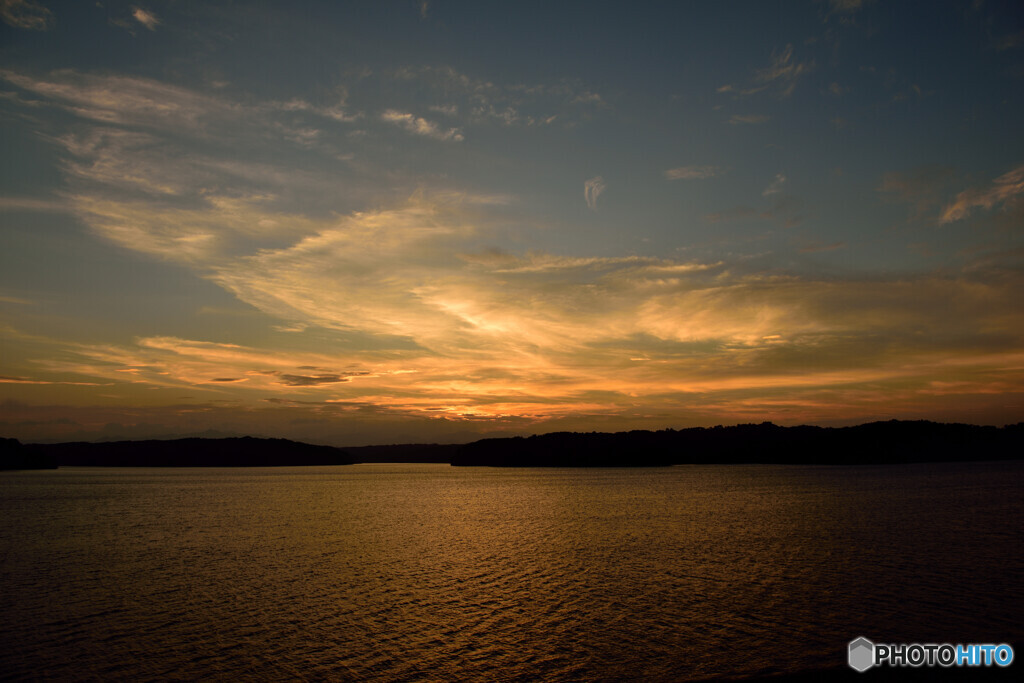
{"x":218,"y":228}
{"x":458,"y":333}
{"x":337,"y":111}
{"x":139,"y":141}
{"x":428,"y":321}
{"x":176,"y":362}
{"x":26,"y":14}
{"x":693,"y":172}
{"x":1004,"y":190}
{"x":780,"y":76}
{"x":421,"y":126}
{"x":498,"y":306}
{"x":316,"y":380}
{"x":535,"y":335}
{"x":6,"y":379}
{"x":740,"y":91}
{"x":592,"y":189}
{"x":128,"y":105}
{"x":479,"y":101}
{"x":126,"y":100}
{"x":775,"y":186}
{"x":783,"y":71}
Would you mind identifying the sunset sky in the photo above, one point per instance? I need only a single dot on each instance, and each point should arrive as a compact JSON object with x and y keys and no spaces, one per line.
{"x":382,"y":222}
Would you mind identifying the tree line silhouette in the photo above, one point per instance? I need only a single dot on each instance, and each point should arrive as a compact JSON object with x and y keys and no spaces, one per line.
{"x":873,"y":443}
{"x":894,"y":441}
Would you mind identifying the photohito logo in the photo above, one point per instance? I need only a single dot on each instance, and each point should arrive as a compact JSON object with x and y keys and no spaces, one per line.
{"x":862,"y":654}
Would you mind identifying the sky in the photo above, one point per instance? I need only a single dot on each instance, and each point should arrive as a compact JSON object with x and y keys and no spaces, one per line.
{"x":387,"y":222}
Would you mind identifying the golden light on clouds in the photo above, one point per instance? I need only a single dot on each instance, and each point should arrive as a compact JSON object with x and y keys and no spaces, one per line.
{"x":457,"y":331}
{"x":409,"y":243}
{"x":458,"y":334}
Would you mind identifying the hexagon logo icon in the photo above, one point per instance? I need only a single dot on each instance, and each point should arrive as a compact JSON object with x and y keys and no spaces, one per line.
{"x":861,"y":654}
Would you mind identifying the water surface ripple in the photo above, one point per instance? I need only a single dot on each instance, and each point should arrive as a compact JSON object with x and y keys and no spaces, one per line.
{"x":428,"y":572}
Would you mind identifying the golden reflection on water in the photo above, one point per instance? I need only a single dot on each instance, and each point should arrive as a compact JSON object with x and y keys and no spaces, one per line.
{"x":427,"y":572}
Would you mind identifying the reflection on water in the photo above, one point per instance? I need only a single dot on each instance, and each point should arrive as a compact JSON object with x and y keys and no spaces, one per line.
{"x":427,"y":572}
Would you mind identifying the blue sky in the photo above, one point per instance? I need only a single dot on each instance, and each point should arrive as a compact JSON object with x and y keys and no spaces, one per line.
{"x":430,"y":221}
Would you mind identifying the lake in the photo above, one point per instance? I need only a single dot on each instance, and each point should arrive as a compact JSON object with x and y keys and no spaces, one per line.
{"x":430,"y":572}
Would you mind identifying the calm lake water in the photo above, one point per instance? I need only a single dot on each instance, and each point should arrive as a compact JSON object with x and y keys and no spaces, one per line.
{"x":429,"y":572}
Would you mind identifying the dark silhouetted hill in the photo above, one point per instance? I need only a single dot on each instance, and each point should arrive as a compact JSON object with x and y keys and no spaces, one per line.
{"x":16,"y":456}
{"x":874,"y":443}
{"x":231,"y":452}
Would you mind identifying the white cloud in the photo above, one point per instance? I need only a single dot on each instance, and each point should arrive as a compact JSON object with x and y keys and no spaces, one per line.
{"x":420,"y":126}
{"x":693,"y":172}
{"x":592,"y":189}
{"x":146,"y":18}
